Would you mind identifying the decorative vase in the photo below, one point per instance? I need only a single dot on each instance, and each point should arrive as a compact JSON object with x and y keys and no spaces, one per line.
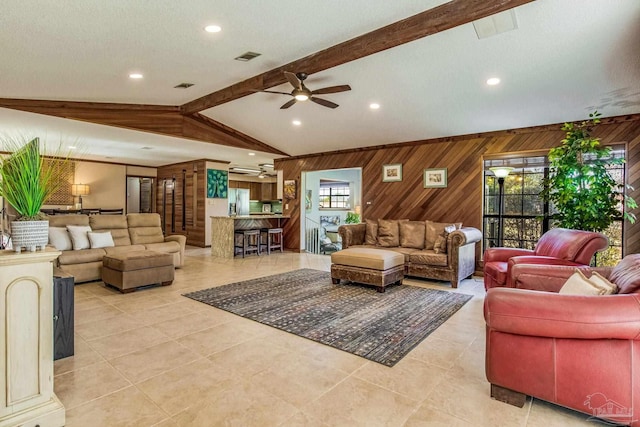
{"x":29,"y":235}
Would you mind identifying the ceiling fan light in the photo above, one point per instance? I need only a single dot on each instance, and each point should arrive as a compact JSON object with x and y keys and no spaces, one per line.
{"x":301,"y":97}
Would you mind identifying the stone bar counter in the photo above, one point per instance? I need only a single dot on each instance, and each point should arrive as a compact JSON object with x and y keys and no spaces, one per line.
{"x":223,"y":227}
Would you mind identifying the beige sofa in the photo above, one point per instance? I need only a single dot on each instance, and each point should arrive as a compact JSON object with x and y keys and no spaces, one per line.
{"x":131,"y":232}
{"x":441,"y":251}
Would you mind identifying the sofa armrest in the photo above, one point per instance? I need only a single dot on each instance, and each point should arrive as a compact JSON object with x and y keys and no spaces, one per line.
{"x":182,"y":241}
{"x":352,"y":234}
{"x":503,"y":254}
{"x":546,"y":314}
{"x":463,"y":236}
{"x":549,"y":278}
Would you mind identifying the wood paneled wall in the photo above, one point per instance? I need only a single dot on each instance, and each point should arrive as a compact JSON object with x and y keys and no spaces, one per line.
{"x":192,"y":177}
{"x":461,"y":201}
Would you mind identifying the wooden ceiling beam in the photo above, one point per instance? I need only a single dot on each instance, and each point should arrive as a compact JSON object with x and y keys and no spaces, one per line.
{"x":429,"y":22}
{"x":157,"y":119}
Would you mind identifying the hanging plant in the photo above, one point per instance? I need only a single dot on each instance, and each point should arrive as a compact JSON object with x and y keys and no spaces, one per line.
{"x":582,"y":192}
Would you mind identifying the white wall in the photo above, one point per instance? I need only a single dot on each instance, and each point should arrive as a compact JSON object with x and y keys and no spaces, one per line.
{"x":312,"y":182}
{"x":107,"y":184}
{"x":142,"y":171}
{"x":213,"y":207}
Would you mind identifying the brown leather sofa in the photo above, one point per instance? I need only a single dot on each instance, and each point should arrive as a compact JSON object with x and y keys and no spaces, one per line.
{"x":582,"y":352}
{"x":558,"y":246}
{"x":131,"y":232}
{"x":415,"y":240}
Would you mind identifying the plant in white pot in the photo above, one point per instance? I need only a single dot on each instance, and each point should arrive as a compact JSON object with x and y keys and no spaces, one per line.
{"x":26,"y":181}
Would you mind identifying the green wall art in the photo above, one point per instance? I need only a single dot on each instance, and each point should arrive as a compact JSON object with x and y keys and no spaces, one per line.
{"x":217,"y":184}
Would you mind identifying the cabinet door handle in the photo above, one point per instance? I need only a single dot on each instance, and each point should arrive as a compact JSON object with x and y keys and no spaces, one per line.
{"x":55,"y":318}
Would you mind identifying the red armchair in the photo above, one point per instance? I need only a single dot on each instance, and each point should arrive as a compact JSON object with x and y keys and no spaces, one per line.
{"x":559,"y":246}
{"x":582,"y":352}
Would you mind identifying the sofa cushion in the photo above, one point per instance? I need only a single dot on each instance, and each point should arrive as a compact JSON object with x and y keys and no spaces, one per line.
{"x":428,"y":257}
{"x":123,"y":249}
{"x":145,"y":235}
{"x":169,"y":247}
{"x":374,"y":259}
{"x":60,"y":239}
{"x":143,"y":220}
{"x":412,"y":234}
{"x":388,"y":233}
{"x":627,"y":274}
{"x":79,"y":237}
{"x":371,"y":232}
{"x":81,"y":257}
{"x":64,"y":220}
{"x":116,"y":224}
{"x":100,"y":239}
{"x":404,"y":251}
{"x":436,"y":228}
{"x":440,"y":245}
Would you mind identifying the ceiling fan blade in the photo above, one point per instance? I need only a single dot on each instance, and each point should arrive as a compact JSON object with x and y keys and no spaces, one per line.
{"x":272,"y":91}
{"x":332,"y":89}
{"x":293,"y":79}
{"x":324,"y":102}
{"x":289,"y":104}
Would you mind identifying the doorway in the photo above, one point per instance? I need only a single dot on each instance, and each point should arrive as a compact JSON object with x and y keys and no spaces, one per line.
{"x":140,"y":195}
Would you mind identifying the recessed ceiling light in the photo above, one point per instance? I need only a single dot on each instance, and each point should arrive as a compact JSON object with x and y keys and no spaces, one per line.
{"x":212,"y":28}
{"x":251,"y":154}
{"x":374,"y":106}
{"x":135,"y":76}
{"x":296,"y":122}
{"x":493,"y":81}
{"x":72,"y":147}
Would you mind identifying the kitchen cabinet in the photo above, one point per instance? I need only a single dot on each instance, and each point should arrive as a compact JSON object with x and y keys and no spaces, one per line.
{"x":267,"y":192}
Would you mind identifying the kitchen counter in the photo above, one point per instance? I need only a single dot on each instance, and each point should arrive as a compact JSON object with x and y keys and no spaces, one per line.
{"x":223,"y":228}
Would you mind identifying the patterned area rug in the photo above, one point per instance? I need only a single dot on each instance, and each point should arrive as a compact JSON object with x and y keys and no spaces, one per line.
{"x":382,"y":327}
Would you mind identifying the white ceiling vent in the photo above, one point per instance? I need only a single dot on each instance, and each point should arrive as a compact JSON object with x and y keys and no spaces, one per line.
{"x":183,"y":86}
{"x":496,"y":24}
{"x":247,"y":56}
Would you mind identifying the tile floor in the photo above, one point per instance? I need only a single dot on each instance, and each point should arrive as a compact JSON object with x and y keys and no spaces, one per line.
{"x":156,"y":358}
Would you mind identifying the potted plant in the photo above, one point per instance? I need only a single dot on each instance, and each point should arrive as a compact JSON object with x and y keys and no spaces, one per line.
{"x":26,"y":181}
{"x":582,"y":191}
{"x":352,"y":218}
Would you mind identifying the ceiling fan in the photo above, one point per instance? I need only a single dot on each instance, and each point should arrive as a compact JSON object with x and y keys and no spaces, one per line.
{"x":301,"y":93}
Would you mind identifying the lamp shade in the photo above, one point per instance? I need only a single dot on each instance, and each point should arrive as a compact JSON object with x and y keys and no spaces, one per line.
{"x":79,"y":189}
{"x":501,"y":171}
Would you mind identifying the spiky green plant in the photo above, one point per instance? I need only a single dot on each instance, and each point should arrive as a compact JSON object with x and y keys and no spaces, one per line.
{"x":26,"y":180}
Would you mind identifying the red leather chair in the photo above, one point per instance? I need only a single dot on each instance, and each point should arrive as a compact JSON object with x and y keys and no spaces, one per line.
{"x":558,"y":246}
{"x":582,"y":352}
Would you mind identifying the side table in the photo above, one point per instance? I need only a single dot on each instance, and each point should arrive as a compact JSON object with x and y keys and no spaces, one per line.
{"x":63,"y":306}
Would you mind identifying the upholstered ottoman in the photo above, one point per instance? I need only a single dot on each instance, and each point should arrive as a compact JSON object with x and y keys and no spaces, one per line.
{"x":369,"y":266}
{"x":131,"y":270}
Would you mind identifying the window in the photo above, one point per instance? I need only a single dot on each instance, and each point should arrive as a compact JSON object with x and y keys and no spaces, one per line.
{"x":334,"y":195}
{"x":525,"y":216}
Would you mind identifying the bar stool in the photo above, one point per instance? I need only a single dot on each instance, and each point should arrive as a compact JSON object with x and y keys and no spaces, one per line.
{"x":250,"y":241}
{"x":272,"y":238}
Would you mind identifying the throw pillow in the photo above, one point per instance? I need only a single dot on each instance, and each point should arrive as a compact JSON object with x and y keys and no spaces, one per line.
{"x":371,"y":232}
{"x":601,"y":281}
{"x":388,"y":233}
{"x":412,"y":234}
{"x":434,"y":229}
{"x":100,"y":240}
{"x":440,"y":245}
{"x":578,"y":284}
{"x":626,"y":274}
{"x":79,"y":238}
{"x":59,"y":238}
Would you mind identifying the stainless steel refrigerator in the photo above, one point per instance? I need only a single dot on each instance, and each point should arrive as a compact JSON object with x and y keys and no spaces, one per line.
{"x":238,"y":201}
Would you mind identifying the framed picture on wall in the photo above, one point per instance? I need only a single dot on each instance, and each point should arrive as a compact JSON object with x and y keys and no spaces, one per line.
{"x":307,"y":201}
{"x":392,"y":173}
{"x":289,"y":189}
{"x":435,"y":178}
{"x":217,"y":184}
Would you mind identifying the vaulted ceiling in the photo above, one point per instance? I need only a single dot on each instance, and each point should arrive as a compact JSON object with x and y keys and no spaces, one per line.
{"x":65,"y":72}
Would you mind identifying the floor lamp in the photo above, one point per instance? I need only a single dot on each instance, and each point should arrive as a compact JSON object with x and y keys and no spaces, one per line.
{"x":501,"y":172}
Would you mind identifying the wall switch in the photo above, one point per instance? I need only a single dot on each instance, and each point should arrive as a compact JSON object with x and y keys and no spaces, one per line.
{"x":286,"y":206}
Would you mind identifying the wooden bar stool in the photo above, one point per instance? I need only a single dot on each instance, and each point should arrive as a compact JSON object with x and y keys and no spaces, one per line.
{"x":249,"y":241}
{"x":271,"y":238}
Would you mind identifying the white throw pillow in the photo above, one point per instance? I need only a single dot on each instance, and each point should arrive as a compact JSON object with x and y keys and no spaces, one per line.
{"x":578,"y":284}
{"x":100,"y":240}
{"x":79,"y":237}
{"x":59,"y":237}
{"x":611,"y":288}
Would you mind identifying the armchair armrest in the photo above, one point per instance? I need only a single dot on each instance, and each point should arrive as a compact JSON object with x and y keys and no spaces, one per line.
{"x":550,"y":278}
{"x":503,"y":254}
{"x":545,"y":314}
{"x":352,"y":234}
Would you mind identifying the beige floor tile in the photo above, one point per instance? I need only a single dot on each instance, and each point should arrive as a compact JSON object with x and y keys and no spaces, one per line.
{"x":430,"y":416}
{"x":83,"y":355}
{"x":249,"y":358}
{"x":355,"y":402}
{"x":83,"y":385}
{"x":191,"y":323}
{"x":152,"y":361}
{"x":95,"y":314}
{"x":117,"y":345}
{"x":103,"y":328}
{"x":300,"y":419}
{"x":176,"y":390}
{"x":162,"y":313}
{"x":409,"y":377}
{"x":241,"y":404}
{"x":215,"y":339}
{"x":88,"y":302}
{"x":545,"y":414}
{"x":438,"y":352}
{"x":124,"y":408}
